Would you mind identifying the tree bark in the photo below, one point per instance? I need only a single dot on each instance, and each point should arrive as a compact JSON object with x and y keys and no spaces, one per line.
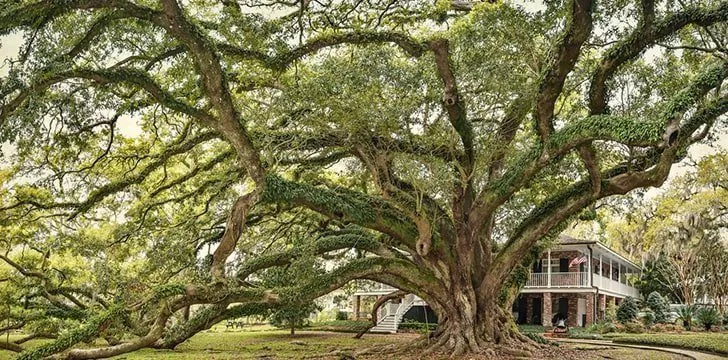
{"x":474,"y":325}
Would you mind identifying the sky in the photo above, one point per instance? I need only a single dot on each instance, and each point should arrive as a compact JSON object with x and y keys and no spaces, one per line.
{"x":128,"y":127}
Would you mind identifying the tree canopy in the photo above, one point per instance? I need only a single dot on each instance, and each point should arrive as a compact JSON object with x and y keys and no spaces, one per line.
{"x":165,"y":154}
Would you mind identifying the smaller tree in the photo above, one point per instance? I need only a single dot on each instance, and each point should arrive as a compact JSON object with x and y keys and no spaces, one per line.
{"x":293,"y":316}
{"x":659,"y":306}
{"x":627,"y":310}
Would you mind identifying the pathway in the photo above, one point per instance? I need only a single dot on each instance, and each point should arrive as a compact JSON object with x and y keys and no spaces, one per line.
{"x":697,"y":355}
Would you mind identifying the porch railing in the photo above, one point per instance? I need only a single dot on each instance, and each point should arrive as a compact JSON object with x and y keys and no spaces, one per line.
{"x":559,"y":279}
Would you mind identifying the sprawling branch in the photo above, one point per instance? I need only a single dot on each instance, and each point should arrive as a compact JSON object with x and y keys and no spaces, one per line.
{"x":284,"y":60}
{"x":578,"y":29}
{"x":642,"y":38}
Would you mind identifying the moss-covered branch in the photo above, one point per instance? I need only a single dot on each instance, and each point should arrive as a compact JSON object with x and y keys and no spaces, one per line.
{"x":643,"y":37}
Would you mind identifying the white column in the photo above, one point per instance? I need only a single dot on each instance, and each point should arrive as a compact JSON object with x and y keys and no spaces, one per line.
{"x":611,"y":269}
{"x":590,"y":270}
{"x":601,"y":268}
{"x":548,"y":271}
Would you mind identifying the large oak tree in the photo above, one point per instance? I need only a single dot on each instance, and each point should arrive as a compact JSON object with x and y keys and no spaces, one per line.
{"x":446,"y":143}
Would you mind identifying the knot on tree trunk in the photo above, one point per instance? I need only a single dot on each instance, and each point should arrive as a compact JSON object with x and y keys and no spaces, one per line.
{"x":424,"y":241}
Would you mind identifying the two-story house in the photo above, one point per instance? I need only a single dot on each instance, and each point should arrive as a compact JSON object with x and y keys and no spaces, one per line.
{"x":575,"y":280}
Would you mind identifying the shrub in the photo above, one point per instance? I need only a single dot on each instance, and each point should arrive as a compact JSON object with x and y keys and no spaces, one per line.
{"x":686,"y":314}
{"x":610,"y":313}
{"x":342,"y":315}
{"x":416,"y":325}
{"x":602,"y":327}
{"x":634,"y":328}
{"x":659,"y":306}
{"x":708,"y":316}
{"x":666,"y":328}
{"x":627,"y":310}
{"x":648,"y":319}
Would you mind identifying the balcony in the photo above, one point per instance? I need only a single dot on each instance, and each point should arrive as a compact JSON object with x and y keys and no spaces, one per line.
{"x":578,"y":280}
{"x":559,"y":280}
{"x":608,"y":284}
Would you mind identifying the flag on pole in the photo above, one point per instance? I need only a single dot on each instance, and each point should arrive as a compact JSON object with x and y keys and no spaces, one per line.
{"x":577,"y":261}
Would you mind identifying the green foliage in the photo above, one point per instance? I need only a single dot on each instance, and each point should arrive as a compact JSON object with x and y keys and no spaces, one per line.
{"x":708,"y":316}
{"x":610,"y":313}
{"x":85,"y":333}
{"x":686,"y":314}
{"x":602,"y":327}
{"x":627,"y":310}
{"x":293,"y":316}
{"x":342,"y":315}
{"x":418,"y":326}
{"x":648,"y":319}
{"x":537,"y":338}
{"x":659,"y":306}
{"x":634,"y":327}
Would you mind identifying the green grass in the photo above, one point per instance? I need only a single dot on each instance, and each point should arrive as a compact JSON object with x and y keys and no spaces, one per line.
{"x":538,"y":329}
{"x":259,"y":343}
{"x":348,"y":326}
{"x":711,"y":342}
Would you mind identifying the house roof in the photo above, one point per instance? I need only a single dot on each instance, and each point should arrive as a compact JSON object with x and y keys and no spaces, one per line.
{"x":569,"y":240}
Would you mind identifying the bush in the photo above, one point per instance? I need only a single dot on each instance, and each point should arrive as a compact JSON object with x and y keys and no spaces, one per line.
{"x":666,"y":328}
{"x":659,"y":306}
{"x":627,"y":310}
{"x":602,"y":327}
{"x":418,"y":326}
{"x":648,"y":319}
{"x":708,"y":316}
{"x":685,"y":315}
{"x":610,"y":313}
{"x":342,"y":315}
{"x":634,"y":328}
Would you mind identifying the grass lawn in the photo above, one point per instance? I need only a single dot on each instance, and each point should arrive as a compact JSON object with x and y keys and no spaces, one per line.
{"x":712,"y":342}
{"x":262,"y":342}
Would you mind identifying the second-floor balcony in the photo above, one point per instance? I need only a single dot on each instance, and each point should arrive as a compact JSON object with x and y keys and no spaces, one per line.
{"x":559,"y":279}
{"x":578,"y":279}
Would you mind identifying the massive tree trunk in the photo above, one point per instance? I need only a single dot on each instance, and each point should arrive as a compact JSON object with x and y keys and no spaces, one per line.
{"x":469,"y":324}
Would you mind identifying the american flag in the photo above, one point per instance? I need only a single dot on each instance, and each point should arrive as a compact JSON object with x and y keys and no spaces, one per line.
{"x":577,"y":261}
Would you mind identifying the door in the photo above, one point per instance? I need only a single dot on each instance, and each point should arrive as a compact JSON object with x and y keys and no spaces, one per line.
{"x":563,"y":308}
{"x":537,"y":308}
{"x":563,"y":265}
{"x":580,"y":311}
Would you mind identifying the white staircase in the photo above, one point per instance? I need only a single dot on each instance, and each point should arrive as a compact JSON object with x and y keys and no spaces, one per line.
{"x":390,"y":315}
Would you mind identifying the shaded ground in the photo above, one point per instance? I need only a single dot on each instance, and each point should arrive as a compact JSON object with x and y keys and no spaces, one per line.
{"x":277,"y":344}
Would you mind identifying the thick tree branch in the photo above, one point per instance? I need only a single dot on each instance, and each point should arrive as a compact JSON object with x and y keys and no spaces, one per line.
{"x":642,"y":38}
{"x":578,"y":29}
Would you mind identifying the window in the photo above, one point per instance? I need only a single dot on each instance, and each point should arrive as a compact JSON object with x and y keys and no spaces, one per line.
{"x":554,"y":265}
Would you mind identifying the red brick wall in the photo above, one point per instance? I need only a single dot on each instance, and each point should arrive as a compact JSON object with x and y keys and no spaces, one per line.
{"x":546,"y":314}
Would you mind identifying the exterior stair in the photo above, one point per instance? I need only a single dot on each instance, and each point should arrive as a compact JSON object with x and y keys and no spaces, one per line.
{"x":390,"y":315}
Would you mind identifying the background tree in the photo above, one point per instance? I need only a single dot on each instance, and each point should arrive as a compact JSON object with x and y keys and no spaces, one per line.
{"x":627,"y":310}
{"x":659,"y":307}
{"x":446,"y":142}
